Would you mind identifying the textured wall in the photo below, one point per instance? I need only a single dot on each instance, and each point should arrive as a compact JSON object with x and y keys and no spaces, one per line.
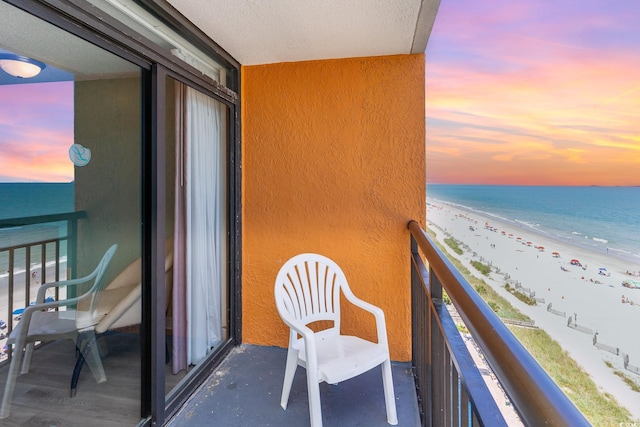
{"x":108,"y":122}
{"x":334,"y":163}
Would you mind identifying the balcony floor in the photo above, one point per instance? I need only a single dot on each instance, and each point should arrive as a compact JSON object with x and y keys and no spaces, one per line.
{"x":246,"y":387}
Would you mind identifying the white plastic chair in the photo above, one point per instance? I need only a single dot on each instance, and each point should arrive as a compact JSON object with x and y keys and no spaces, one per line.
{"x":39,"y":323}
{"x":307,"y":290}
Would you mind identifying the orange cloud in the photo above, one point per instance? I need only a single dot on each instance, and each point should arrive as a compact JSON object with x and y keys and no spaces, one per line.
{"x":37,"y":125}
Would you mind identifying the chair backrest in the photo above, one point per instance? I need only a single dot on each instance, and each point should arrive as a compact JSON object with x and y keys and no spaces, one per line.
{"x":127,"y":310}
{"x":307,"y":289}
{"x":98,"y":281}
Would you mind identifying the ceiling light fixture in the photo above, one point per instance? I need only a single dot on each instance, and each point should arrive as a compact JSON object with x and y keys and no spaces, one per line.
{"x":20,"y":66}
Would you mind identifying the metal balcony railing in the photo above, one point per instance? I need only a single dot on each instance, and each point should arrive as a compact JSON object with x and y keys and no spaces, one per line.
{"x":32,"y":258}
{"x":450,"y":388}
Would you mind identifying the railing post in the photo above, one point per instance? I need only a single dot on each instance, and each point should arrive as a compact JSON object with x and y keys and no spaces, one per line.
{"x":27,"y":275}
{"x":72,"y":247}
{"x":421,"y":341}
{"x":11,"y":284}
{"x":43,"y":262}
{"x":435,"y":287}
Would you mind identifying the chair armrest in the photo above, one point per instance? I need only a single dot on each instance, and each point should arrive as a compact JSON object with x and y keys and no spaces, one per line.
{"x":48,"y":305}
{"x":300,"y":329}
{"x":61,"y":284}
{"x":349,"y":295}
{"x":28,"y":312}
{"x":381,"y":325}
{"x":308,"y":337}
{"x":40,"y":305}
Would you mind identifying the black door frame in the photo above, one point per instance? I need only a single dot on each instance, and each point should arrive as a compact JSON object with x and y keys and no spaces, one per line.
{"x":83,"y":20}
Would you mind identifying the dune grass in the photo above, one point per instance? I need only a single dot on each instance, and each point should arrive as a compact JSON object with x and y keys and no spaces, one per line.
{"x":482,"y":268}
{"x":601,"y":409}
{"x":522,"y":297}
{"x":453,"y":244}
{"x":626,"y":378}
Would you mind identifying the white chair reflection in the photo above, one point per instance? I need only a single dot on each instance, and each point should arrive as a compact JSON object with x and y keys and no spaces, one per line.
{"x":121,"y":303}
{"x":44,"y":321}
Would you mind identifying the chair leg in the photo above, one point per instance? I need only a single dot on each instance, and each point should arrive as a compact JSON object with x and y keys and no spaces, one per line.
{"x":315,"y":407}
{"x":12,"y":377}
{"x":91,"y":353}
{"x":289,"y":373}
{"x":76,"y":374}
{"x":26,"y":361}
{"x":389,"y":395}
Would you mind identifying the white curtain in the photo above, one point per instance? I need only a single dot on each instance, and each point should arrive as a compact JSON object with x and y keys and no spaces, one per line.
{"x":205,"y":206}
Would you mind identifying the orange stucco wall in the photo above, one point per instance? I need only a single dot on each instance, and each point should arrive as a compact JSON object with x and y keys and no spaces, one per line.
{"x":334,"y":163}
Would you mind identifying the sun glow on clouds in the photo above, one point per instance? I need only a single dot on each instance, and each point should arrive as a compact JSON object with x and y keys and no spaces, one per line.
{"x":36,"y":123}
{"x":542,"y":93}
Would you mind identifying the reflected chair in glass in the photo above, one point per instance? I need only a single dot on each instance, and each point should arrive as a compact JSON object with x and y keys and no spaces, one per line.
{"x":307,"y":290}
{"x":121,"y":303}
{"x":62,"y":319}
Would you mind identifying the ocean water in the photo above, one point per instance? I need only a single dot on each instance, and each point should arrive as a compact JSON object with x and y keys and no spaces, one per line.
{"x":19,"y":200}
{"x":29,"y":199}
{"x":604,"y":219}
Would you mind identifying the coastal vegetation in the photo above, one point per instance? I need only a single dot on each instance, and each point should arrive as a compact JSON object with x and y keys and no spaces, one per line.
{"x":482,"y":268}
{"x":463,"y":329}
{"x":522,"y":297}
{"x":629,"y":381}
{"x":454,"y":245}
{"x":599,"y":408}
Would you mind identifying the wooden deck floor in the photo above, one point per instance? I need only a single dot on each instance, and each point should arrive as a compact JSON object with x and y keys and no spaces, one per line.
{"x":42,"y":396}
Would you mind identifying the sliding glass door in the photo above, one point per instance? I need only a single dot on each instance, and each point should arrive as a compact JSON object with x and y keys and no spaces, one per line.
{"x":70,"y":185}
{"x":82,"y":154}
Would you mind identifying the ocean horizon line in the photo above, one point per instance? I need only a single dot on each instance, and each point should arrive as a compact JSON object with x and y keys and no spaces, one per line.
{"x":535,"y":185}
{"x":595,"y":218}
{"x":37,"y":182}
{"x":600,"y":244}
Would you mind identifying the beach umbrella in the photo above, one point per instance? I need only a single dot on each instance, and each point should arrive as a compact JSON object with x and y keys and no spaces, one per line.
{"x":633,"y":284}
{"x":18,"y":311}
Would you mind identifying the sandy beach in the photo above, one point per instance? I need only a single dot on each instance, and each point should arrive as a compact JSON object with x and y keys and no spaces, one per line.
{"x":591,"y":297}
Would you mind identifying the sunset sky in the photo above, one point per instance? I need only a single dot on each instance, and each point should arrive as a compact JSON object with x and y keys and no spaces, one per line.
{"x":517,"y":92}
{"x":534,"y":93}
{"x":36,"y":131}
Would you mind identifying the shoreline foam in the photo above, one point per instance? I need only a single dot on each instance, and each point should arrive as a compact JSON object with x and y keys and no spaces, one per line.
{"x":592,"y":242}
{"x":583,"y":294}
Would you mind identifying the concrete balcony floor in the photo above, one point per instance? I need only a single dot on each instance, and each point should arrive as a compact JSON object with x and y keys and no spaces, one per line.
{"x":245,"y":391}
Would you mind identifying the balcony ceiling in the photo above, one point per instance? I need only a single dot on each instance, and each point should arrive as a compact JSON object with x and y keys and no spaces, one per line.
{"x":264,"y":32}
